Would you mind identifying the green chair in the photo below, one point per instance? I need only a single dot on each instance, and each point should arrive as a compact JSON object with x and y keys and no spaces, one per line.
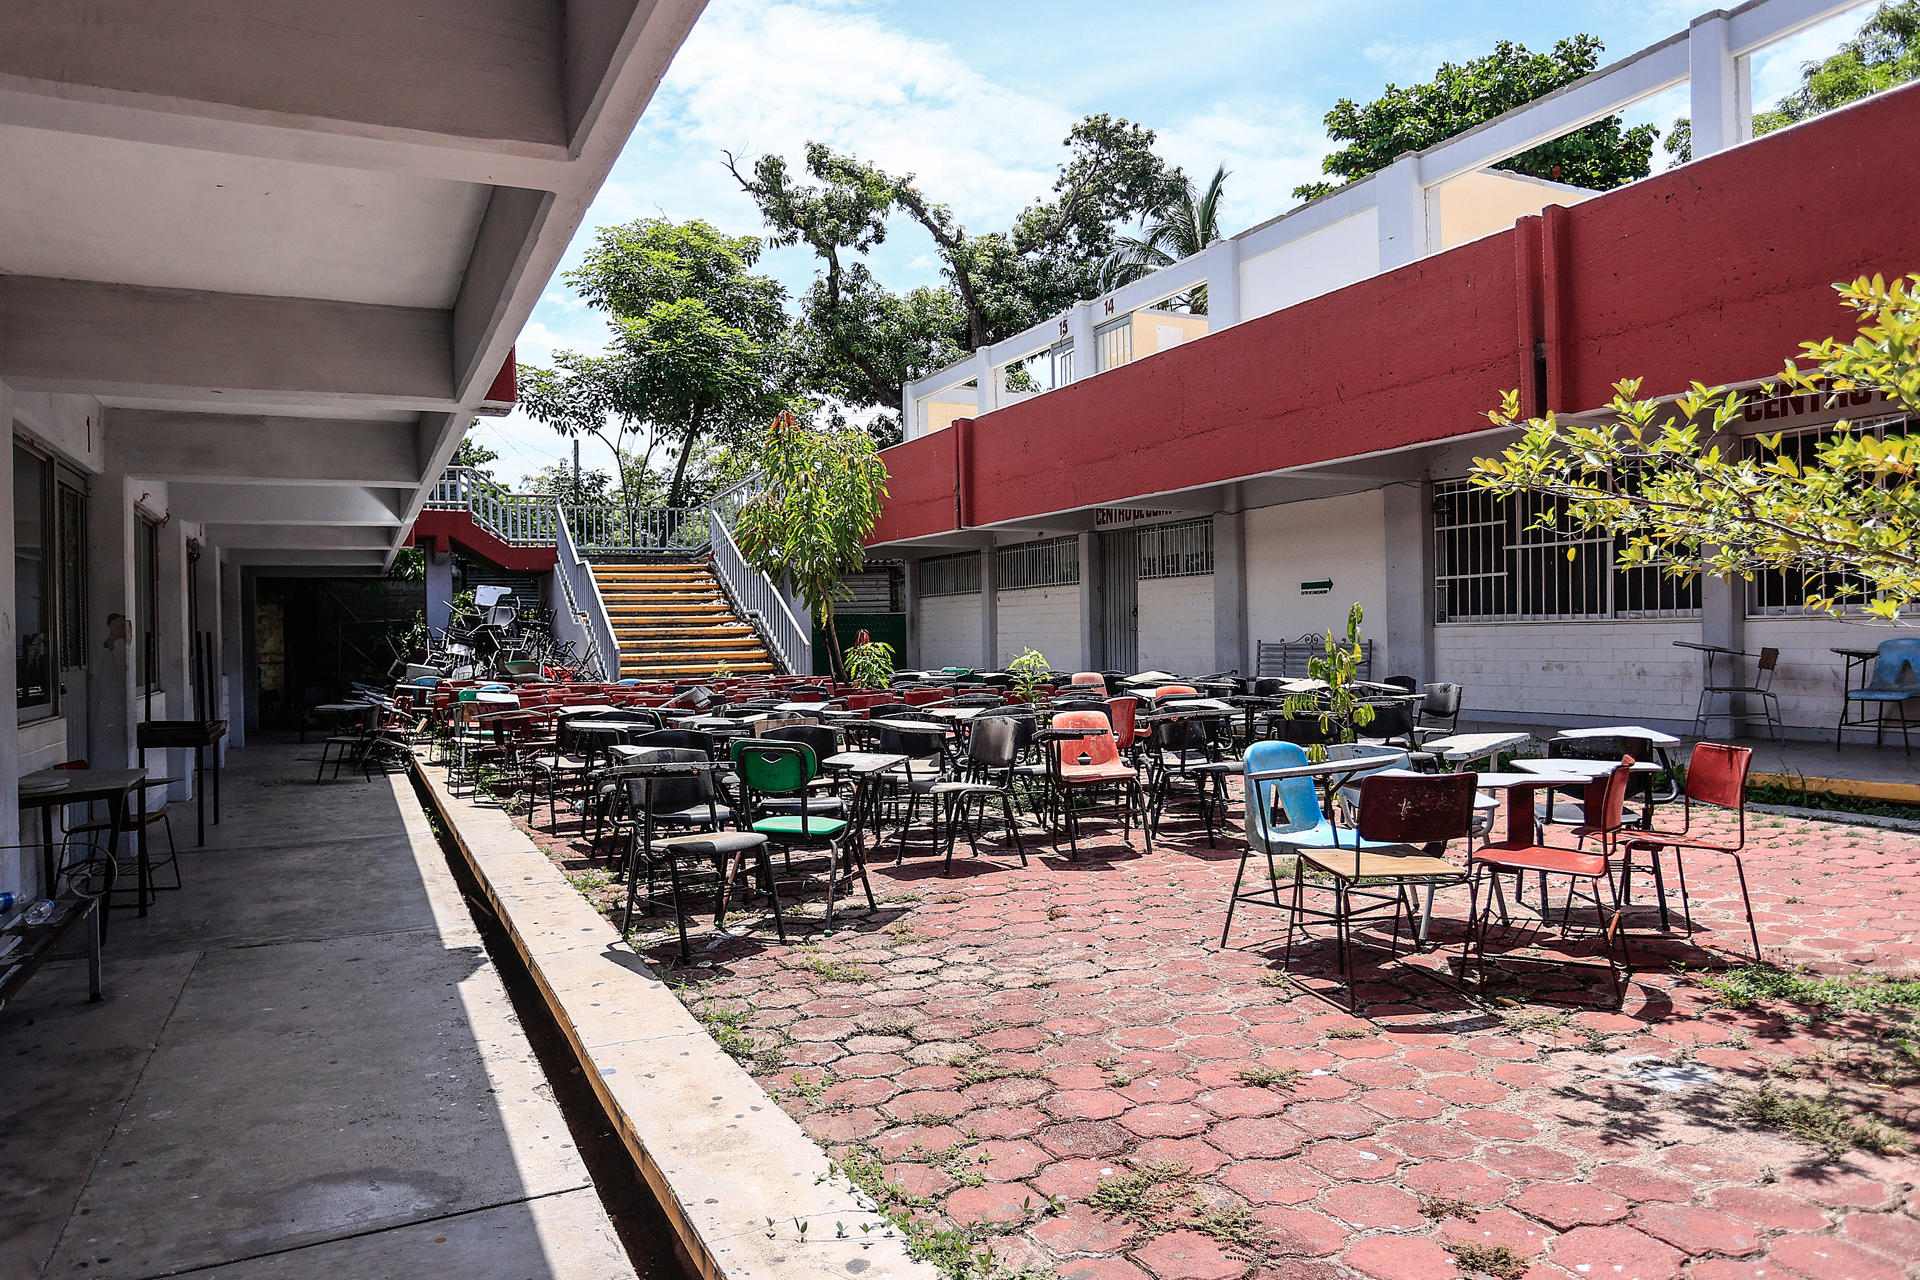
{"x":771,"y":770}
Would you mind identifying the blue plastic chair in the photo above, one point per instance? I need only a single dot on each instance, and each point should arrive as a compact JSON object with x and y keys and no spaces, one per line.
{"x":1896,"y":677}
{"x":1283,"y":815}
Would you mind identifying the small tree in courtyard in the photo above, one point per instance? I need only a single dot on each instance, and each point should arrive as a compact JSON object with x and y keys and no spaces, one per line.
{"x":1659,"y":477}
{"x":809,"y":526}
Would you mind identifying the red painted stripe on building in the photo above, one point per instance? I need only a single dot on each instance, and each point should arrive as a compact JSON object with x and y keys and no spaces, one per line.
{"x":458,"y":529}
{"x":1716,"y":272}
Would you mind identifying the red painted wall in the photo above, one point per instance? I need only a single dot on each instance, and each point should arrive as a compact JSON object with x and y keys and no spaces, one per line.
{"x":1715,"y":272}
{"x":458,"y":528}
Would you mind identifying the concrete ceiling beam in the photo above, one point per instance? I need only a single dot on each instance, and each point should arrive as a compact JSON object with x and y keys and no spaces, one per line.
{"x":255,"y":449}
{"x":242,"y":537}
{"x":273,"y":506}
{"x":130,"y":340}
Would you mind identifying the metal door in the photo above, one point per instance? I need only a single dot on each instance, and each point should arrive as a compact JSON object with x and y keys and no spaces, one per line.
{"x":1120,"y":594}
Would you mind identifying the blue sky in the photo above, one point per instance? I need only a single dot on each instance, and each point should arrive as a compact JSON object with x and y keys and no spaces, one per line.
{"x":975,"y":97}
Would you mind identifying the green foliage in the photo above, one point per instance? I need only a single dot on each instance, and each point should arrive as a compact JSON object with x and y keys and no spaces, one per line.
{"x":700,"y":347}
{"x":861,"y":341}
{"x":1824,"y":1122}
{"x":1760,"y":986}
{"x":1337,"y":707}
{"x":409,"y":565}
{"x":808,"y":527}
{"x":1601,"y":155}
{"x":1885,"y":52}
{"x":472,"y":453}
{"x":870,"y":665}
{"x":1185,"y":226}
{"x":591,"y":488}
{"x":1659,"y":477}
{"x":1030,"y":672}
{"x":1495,"y":1260}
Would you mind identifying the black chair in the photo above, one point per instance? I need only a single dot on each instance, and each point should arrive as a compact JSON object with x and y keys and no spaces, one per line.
{"x":682,"y":802}
{"x":1568,"y":807}
{"x":1439,"y":711}
{"x":993,"y":750}
{"x":1188,"y":752}
{"x":825,"y":744}
{"x":914,"y":777}
{"x":1406,"y":683}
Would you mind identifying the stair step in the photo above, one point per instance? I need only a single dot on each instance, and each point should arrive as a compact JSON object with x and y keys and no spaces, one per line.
{"x":673,"y":621}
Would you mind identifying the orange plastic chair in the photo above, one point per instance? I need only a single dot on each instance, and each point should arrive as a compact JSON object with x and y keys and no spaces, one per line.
{"x":1101,"y":769}
{"x":1088,"y":680}
{"x":1166,"y":691}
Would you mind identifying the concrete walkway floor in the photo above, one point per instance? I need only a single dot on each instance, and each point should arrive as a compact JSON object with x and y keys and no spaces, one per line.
{"x":306,"y":1065}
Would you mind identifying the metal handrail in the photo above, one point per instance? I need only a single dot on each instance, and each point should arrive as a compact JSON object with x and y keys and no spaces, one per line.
{"x":759,"y":601}
{"x":599,"y":635}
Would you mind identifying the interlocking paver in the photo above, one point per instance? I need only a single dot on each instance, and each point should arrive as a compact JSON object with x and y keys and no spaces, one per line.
{"x":1050,"y":1028}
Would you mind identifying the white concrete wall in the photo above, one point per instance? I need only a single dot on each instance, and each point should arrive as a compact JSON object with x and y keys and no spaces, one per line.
{"x":1316,"y":263}
{"x":1343,"y":538}
{"x":1043,"y":618}
{"x":1573,"y":672}
{"x":1809,"y":677}
{"x":1176,"y":625}
{"x":949,"y":631}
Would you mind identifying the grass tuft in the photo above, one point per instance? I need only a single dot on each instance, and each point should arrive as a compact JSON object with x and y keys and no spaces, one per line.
{"x":1495,"y":1260}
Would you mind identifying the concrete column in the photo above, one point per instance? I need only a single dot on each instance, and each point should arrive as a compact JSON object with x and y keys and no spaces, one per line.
{"x":234,"y":656}
{"x":250,"y":649}
{"x":1409,"y":620}
{"x":1230,"y":587}
{"x":1090,"y":616}
{"x":1402,"y":203}
{"x":1080,"y":327}
{"x":1223,"y":292}
{"x":115,"y":662}
{"x":909,"y":657}
{"x":175,"y":700}
{"x":1720,"y":88}
{"x":983,"y":371}
{"x":989,"y":610}
{"x":18,"y":873}
{"x":439,"y":587}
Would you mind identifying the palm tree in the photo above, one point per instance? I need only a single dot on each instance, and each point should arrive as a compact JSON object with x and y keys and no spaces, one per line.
{"x":1185,"y":226}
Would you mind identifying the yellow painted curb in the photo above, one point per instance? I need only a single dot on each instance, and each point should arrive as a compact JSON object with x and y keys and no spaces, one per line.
{"x":1891,"y":792}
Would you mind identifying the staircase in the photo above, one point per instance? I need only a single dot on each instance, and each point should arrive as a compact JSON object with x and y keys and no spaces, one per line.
{"x":673,"y":622}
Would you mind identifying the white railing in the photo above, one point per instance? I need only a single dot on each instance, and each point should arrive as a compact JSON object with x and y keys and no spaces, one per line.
{"x":621,"y":529}
{"x":592,"y":625}
{"x":517,"y":519}
{"x":759,"y":601}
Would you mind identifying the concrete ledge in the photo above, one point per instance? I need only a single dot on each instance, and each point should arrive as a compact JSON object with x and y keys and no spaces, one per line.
{"x":719,"y":1154}
{"x":1891,"y":792}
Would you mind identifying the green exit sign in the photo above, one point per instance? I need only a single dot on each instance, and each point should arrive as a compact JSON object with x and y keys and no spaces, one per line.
{"x":1320,"y":588}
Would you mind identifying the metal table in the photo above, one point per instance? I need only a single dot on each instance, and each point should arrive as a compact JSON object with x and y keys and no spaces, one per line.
{"x":84,"y":786}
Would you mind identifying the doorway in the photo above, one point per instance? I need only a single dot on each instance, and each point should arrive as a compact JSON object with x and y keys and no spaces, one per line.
{"x":1120,"y":598}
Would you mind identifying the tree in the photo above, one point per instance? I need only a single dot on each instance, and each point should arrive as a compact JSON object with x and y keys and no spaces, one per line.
{"x":862,"y":341}
{"x":1598,"y":156}
{"x":1885,"y":52}
{"x":472,"y":453}
{"x":808,"y":527}
{"x":700,"y":345}
{"x":1659,"y":477}
{"x":591,"y":488}
{"x":1185,"y":226}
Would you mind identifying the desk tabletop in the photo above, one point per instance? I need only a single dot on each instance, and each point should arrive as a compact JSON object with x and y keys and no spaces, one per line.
{"x":1591,"y":768}
{"x":862,"y":761}
{"x":1654,"y":736}
{"x":1471,"y":746}
{"x":1517,"y":781}
{"x":82,"y":784}
{"x":1703,"y":647}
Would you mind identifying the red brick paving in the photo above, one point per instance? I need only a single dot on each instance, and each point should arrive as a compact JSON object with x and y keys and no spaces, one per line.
{"x":1032,"y":1033}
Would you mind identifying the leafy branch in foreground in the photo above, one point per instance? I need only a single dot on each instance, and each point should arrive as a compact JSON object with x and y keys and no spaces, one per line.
{"x":1673,"y":483}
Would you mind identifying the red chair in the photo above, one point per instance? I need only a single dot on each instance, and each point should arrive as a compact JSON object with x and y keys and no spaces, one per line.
{"x":1120,"y":714}
{"x":1092,"y":764}
{"x":1606,"y":802}
{"x":1089,"y":680}
{"x":1166,"y":691}
{"x":1716,"y":779}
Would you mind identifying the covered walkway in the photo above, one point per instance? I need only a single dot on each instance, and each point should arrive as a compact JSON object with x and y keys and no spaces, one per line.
{"x":306,"y":1065}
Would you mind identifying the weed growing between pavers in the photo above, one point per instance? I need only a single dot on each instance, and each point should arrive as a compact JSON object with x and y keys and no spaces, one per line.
{"x":1826,"y":1122}
{"x":825,"y":969}
{"x":1495,"y":1260}
{"x":957,"y":1253}
{"x":1162,"y":1196}
{"x":1266,"y":1077}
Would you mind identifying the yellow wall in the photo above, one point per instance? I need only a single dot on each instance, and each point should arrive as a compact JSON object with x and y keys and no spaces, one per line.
{"x":1147,"y":326}
{"x":1481,"y":203}
{"x":941,"y":413}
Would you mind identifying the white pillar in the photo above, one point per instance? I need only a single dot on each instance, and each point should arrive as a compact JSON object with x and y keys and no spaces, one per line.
{"x":1090,"y":641}
{"x":989,"y":610}
{"x":439,"y":588}
{"x":989,"y":397}
{"x":1230,"y":585}
{"x":1720,"y":89}
{"x":18,"y":873}
{"x":909,"y":656}
{"x":1223,"y":288}
{"x":1080,"y":327}
{"x":115,"y":661}
{"x":174,"y":645}
{"x":234,"y":656}
{"x":1402,"y":205}
{"x":1409,"y":621}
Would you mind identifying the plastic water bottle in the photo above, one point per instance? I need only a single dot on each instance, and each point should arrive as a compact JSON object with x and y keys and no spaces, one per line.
{"x":8,"y":901}
{"x":40,"y":912}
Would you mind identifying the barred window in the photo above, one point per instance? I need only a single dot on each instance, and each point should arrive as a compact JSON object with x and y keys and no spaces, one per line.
{"x":1785,"y":591}
{"x":1492,"y":563}
{"x":950,"y":575}
{"x":1183,"y":550}
{"x":1053,"y":563}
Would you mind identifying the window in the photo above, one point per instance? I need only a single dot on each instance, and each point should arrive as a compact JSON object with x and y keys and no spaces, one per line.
{"x":1784,"y":591}
{"x":71,"y":527}
{"x":1183,"y":550}
{"x":1115,"y":344}
{"x":950,"y":576}
{"x":1053,"y":563}
{"x":33,"y":603}
{"x":1493,"y":564}
{"x":146,"y":595}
